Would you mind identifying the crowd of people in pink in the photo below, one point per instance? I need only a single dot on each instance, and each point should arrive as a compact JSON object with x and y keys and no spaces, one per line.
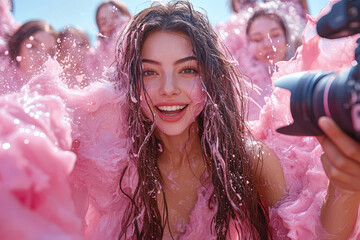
{"x":167,"y":128}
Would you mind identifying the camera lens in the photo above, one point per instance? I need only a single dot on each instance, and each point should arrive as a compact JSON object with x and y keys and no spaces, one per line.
{"x":320,"y":93}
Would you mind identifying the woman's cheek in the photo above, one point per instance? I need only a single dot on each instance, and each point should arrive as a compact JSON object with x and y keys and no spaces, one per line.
{"x":255,"y":49}
{"x":198,"y":97}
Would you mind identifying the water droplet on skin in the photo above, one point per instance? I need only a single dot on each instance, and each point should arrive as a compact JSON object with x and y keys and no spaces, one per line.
{"x":58,"y":40}
{"x":28,"y":45}
{"x":31,"y":38}
{"x":18,"y":58}
{"x":26,"y":141}
{"x":160,"y":148}
{"x":6,"y":52}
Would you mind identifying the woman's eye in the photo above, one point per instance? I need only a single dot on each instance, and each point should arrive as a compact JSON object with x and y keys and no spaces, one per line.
{"x":149,"y":73}
{"x":256,"y":40}
{"x":189,"y":70}
{"x":275,"y":35}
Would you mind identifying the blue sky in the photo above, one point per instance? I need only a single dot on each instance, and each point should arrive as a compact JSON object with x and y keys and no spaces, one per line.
{"x":81,"y":13}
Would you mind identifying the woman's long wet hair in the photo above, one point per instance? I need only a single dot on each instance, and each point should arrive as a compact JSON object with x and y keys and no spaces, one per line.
{"x":222,"y":130}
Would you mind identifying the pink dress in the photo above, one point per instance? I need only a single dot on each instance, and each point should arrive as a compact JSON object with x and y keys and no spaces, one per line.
{"x":48,"y":192}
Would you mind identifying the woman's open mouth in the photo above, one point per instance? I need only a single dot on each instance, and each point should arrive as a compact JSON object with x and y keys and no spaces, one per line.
{"x":171,"y":113}
{"x":171,"y":110}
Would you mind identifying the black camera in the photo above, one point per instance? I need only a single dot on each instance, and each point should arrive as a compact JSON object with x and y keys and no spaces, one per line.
{"x":320,"y":93}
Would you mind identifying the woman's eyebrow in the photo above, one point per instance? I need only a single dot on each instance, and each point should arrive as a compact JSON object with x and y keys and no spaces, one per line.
{"x":185,"y":59}
{"x":150,"y":61}
{"x":190,"y":58}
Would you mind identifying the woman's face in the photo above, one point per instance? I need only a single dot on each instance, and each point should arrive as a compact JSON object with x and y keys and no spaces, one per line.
{"x":35,"y":50}
{"x":73,"y":49}
{"x":172,"y":80}
{"x":267,"y":40}
{"x":110,"y":19}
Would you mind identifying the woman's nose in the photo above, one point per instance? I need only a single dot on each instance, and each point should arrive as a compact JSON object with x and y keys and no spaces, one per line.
{"x":169,"y":86}
{"x":268,"y":41}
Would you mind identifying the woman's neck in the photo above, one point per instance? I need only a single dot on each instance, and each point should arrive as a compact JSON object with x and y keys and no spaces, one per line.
{"x":180,"y":149}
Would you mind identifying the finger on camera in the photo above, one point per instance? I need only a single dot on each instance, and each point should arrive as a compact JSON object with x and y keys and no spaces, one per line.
{"x":348,"y":146}
{"x":339,"y":160}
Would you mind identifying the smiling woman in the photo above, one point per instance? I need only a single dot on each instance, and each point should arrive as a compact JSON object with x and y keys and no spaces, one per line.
{"x":171,"y":82}
{"x":182,"y":99}
{"x":268,"y":37}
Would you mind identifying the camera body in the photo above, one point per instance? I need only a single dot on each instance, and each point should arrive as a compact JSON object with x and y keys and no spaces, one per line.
{"x":320,"y":93}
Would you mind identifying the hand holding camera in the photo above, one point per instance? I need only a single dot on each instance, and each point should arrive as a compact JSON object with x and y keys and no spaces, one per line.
{"x":341,"y":157}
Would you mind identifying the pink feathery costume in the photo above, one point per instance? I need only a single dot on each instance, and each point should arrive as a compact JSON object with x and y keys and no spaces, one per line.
{"x":63,"y":152}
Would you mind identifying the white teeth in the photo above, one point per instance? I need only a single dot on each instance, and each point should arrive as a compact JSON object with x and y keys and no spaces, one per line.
{"x":171,"y":108}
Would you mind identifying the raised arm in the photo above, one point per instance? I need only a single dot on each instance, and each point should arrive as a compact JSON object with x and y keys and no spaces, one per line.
{"x":341,"y":162}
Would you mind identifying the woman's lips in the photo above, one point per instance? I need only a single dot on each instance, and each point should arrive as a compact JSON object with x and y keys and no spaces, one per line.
{"x":270,"y":55}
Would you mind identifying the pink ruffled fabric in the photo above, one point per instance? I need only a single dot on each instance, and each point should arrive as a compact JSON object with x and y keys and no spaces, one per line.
{"x":102,"y":150}
{"x":101,"y":145}
{"x":35,"y":195}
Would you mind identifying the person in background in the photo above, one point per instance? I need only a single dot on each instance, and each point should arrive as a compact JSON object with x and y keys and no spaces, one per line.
{"x":74,"y":55}
{"x":267,"y":36}
{"x":29,"y":48}
{"x":259,"y":37}
{"x":31,"y":45}
{"x":111,"y":18}
{"x":237,"y":5}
